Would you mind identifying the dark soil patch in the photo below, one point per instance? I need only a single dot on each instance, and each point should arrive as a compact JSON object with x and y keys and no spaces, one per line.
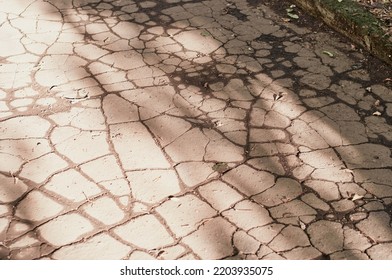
{"x":379,"y":71}
{"x":381,"y":9}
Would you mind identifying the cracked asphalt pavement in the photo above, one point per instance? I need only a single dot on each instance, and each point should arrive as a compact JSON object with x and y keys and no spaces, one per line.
{"x":180,"y":129}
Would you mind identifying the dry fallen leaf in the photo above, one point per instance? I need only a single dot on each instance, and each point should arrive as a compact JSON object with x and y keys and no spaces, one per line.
{"x":377,"y":113}
{"x":356,"y":197}
{"x":328,"y":53}
{"x":290,"y":12}
{"x":294,"y":16}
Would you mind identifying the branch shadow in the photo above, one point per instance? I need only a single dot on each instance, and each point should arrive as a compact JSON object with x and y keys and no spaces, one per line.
{"x":266,"y":119}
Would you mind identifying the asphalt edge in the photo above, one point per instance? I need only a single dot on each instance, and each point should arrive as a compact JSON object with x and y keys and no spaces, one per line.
{"x":354,"y":22}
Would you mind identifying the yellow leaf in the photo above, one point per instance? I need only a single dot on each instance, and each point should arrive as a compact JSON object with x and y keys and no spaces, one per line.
{"x":377,"y":113}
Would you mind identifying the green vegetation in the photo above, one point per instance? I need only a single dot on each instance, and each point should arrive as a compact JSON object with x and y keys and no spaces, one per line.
{"x":352,"y":12}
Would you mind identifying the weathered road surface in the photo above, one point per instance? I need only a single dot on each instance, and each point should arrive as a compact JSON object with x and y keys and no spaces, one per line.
{"x":187,"y":130}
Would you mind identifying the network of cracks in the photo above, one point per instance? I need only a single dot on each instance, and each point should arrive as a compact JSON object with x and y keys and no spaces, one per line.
{"x":187,"y":130}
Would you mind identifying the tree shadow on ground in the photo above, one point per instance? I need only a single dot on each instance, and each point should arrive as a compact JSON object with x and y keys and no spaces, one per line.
{"x":261,"y":122}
